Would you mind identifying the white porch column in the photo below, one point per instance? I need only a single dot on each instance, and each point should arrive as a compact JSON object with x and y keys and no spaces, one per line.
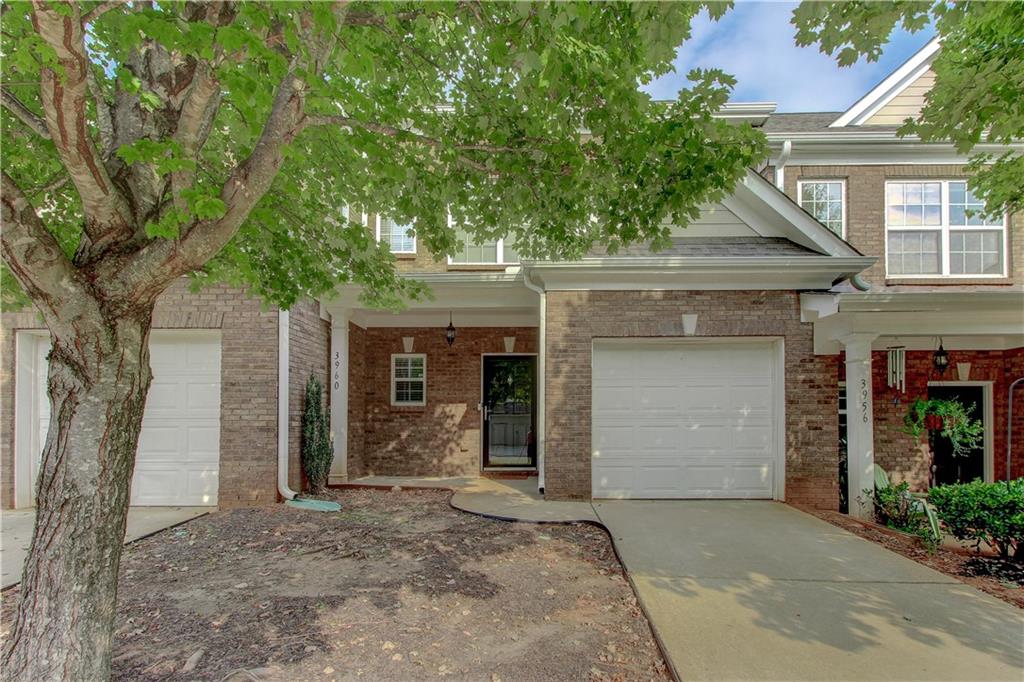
{"x":860,"y":437}
{"x":339,"y":395}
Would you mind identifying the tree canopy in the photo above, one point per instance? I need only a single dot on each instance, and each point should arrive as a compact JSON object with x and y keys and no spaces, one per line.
{"x":978,"y":95}
{"x":519,"y":120}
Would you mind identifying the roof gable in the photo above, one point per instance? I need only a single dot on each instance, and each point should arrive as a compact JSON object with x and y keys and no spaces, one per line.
{"x":894,"y":98}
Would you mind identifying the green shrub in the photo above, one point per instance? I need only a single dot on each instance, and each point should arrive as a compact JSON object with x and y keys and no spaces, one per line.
{"x":894,"y":507}
{"x":990,"y":513}
{"x":317,"y":452}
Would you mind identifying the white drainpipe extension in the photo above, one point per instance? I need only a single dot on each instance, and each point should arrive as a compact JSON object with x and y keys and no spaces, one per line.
{"x":541,"y":353}
{"x":282,"y":407}
{"x":780,"y":164}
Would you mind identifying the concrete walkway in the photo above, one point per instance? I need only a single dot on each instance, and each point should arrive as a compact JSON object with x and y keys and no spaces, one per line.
{"x":16,"y":532}
{"x":761,"y":591}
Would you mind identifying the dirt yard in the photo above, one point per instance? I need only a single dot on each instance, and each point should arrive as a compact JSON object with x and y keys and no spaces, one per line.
{"x":1002,"y":579}
{"x":396,"y":586}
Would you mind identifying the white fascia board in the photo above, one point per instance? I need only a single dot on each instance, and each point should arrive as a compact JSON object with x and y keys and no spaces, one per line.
{"x":894,"y":84}
{"x":1011,"y":300}
{"x":836,"y":150}
{"x":674,"y":273}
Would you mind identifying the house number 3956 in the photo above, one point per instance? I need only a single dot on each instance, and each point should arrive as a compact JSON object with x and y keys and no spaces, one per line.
{"x":865,"y":401}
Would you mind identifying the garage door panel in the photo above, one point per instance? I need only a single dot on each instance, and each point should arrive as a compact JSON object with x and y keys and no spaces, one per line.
{"x":701,"y":425}
{"x":203,"y":443}
{"x":201,"y":395}
{"x":179,"y":445}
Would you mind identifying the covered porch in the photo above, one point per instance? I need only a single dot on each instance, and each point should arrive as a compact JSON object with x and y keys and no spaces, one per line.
{"x":450,"y":386}
{"x":887,"y":343}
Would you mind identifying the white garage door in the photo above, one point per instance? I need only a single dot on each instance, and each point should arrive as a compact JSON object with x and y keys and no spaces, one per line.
{"x":179,"y":447}
{"x":683,"y":420}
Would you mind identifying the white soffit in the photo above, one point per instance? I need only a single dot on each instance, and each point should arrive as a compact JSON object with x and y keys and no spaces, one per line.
{"x":889,"y":88}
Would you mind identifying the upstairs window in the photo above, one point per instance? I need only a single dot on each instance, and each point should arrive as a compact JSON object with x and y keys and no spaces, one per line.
{"x":934,"y":228}
{"x":495,"y":251}
{"x":826,"y":201}
{"x":397,"y":237}
{"x":409,"y":379}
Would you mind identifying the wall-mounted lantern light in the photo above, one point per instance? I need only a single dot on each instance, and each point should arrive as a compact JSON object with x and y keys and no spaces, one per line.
{"x":449,"y":332}
{"x":940,"y":359}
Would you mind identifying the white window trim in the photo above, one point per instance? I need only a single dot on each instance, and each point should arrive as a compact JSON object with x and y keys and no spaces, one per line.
{"x":944,"y":230}
{"x":499,"y":253}
{"x":400,"y":253}
{"x":394,"y":381}
{"x":842,"y":196}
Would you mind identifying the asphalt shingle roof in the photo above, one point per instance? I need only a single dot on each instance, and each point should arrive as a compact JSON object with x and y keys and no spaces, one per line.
{"x":705,"y":247}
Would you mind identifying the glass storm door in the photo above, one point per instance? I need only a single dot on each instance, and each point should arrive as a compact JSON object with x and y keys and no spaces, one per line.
{"x":950,"y":468}
{"x":508,"y":412}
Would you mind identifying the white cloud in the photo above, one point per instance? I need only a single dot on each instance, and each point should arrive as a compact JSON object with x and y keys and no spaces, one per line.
{"x":755,"y":43}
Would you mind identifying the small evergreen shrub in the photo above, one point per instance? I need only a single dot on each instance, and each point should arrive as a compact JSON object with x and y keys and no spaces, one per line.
{"x":317,"y":452}
{"x":990,"y":513}
{"x":895,"y":508}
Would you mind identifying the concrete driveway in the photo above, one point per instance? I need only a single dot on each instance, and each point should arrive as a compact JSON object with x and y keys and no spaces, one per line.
{"x":761,"y":591}
{"x":16,"y":532}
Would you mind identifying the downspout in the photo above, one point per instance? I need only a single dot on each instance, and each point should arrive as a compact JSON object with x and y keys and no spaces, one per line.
{"x":1009,"y":426}
{"x":859,"y":284}
{"x":780,"y":164}
{"x":282,"y":407}
{"x":541,"y":363}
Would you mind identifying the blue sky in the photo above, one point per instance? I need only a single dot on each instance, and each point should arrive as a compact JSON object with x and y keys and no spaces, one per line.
{"x":754,"y":42}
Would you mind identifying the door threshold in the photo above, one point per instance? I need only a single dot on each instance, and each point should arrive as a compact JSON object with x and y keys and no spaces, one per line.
{"x":508,"y":473}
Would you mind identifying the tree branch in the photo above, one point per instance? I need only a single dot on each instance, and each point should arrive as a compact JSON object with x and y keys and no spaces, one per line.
{"x":24,"y":114}
{"x":411,"y":136}
{"x":108,"y":217}
{"x":162,"y":260}
{"x":35,"y":258}
{"x":100,"y":9}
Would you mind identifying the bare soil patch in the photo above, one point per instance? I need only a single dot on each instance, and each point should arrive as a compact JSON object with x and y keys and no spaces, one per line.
{"x":396,"y":586}
{"x":1002,"y":579}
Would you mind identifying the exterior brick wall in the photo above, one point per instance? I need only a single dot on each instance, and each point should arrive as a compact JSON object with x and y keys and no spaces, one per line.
{"x":356,"y":399}
{"x":441,"y":438}
{"x":248,"y":429}
{"x":865,"y":217}
{"x":575,"y":318}
{"x":309,"y":347}
{"x":907,"y":459}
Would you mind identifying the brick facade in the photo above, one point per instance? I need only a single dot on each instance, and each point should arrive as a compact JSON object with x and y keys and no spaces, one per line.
{"x":309,"y":347}
{"x":575,"y":318}
{"x":865,"y":217}
{"x":441,"y":438}
{"x":248,"y":430}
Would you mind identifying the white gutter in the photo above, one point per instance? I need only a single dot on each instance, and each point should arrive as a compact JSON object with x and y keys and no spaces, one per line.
{"x":282,"y":407}
{"x":780,"y":164}
{"x":541,"y":364}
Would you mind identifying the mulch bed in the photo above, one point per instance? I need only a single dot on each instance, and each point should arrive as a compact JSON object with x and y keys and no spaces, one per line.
{"x":1002,"y":579}
{"x":397,"y":586}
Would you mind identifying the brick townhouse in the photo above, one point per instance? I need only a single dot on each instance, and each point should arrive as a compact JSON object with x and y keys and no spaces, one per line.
{"x":782,"y":333}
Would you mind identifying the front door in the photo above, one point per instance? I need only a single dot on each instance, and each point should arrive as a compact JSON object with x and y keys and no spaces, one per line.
{"x":950,"y":468}
{"x":508,"y":412}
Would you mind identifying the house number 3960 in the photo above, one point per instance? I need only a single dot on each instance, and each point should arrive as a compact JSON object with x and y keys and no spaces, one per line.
{"x":337,"y":370}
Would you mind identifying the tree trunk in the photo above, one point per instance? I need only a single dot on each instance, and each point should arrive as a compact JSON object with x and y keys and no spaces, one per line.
{"x":98,"y":378}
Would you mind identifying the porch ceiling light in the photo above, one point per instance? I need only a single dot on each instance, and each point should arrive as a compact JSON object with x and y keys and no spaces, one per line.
{"x":449,"y":332}
{"x":940,"y":359}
